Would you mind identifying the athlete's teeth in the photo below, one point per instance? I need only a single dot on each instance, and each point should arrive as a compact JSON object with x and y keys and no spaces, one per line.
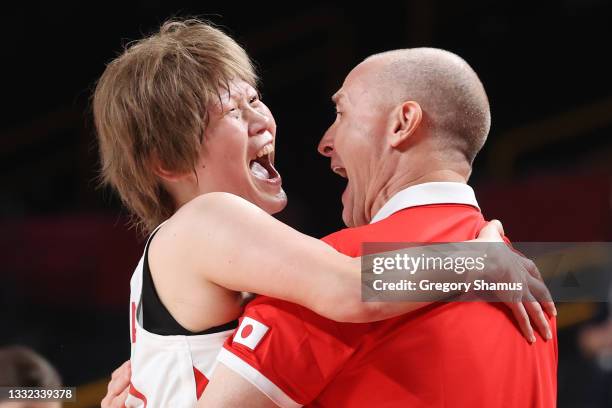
{"x":267,"y":149}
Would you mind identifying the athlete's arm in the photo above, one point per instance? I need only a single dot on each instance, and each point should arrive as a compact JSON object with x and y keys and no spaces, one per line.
{"x":236,"y":245}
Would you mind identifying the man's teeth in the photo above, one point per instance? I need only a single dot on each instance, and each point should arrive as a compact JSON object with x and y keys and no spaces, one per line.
{"x":267,"y":149}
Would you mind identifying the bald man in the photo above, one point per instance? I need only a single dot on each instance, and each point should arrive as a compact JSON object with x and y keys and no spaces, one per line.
{"x":409,"y":125}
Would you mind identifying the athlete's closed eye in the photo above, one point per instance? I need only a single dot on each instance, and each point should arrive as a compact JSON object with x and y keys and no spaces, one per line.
{"x":254,"y":99}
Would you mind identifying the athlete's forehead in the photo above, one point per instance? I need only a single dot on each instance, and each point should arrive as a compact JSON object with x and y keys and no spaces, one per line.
{"x":235,"y":90}
{"x":232,"y":93}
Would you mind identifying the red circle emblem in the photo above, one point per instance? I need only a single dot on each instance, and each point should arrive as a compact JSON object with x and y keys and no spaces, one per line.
{"x":246,"y":331}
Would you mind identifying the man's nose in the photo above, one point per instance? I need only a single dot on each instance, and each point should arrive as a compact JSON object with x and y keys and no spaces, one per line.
{"x":326,"y":145}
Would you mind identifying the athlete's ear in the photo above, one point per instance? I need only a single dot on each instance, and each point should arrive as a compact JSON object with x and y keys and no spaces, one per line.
{"x":162,"y":172}
{"x":405,"y":119}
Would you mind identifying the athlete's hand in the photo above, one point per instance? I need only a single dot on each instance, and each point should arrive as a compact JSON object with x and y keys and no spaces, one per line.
{"x":118,"y":387}
{"x":529,"y":304}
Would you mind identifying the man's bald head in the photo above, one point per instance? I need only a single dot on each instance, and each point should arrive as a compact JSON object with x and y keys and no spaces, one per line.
{"x":404,"y":117}
{"x":454,"y":103}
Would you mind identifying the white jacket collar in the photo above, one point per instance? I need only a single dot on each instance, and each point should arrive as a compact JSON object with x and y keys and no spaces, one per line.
{"x":427,"y":194}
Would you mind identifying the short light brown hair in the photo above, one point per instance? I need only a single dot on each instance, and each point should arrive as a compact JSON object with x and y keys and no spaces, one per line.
{"x":150,"y":108}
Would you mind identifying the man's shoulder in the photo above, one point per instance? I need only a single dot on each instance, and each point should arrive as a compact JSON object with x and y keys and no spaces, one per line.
{"x":348,"y":240}
{"x":278,"y":310}
{"x":262,"y":302}
{"x":335,"y":237}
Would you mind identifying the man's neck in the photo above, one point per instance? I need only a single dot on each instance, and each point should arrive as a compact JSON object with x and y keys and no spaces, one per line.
{"x":399,"y":183}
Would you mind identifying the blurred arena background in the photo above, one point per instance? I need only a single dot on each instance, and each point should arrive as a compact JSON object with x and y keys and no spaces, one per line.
{"x":67,"y":255}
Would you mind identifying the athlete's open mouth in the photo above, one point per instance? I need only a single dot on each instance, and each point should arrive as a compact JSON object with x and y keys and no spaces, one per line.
{"x":262,"y":166}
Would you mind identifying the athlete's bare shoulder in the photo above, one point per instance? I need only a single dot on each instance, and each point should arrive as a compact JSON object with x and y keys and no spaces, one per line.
{"x":176,"y":237}
{"x":215,"y":211}
{"x":181,"y":255}
{"x":218,"y":203}
{"x":201,"y":222}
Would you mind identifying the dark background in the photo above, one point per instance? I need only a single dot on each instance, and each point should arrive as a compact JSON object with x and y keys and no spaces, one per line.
{"x":545,"y":170}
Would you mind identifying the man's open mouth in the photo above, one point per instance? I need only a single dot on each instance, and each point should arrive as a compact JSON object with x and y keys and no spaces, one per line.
{"x":341,"y":171}
{"x":262,"y":166}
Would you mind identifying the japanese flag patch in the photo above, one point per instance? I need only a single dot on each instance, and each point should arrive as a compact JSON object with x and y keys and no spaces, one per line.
{"x":250,"y":332}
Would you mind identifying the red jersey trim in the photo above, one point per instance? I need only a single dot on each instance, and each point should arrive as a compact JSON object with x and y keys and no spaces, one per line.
{"x":133,"y":322}
{"x":201,"y":382}
{"x":137,"y":394}
{"x":263,"y":384}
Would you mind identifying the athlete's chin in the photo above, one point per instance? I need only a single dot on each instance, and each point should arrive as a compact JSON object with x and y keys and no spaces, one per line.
{"x":273,"y":203}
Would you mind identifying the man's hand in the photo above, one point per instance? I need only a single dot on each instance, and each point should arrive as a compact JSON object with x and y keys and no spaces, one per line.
{"x":526,"y":305}
{"x":118,"y":387}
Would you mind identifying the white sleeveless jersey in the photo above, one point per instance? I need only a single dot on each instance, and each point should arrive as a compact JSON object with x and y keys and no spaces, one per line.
{"x":167,"y":371}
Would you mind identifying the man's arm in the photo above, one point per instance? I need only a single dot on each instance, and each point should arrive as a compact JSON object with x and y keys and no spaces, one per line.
{"x":286,"y":353}
{"x":227,"y":389}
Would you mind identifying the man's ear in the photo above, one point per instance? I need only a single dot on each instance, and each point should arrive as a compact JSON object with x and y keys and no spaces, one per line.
{"x":405,"y":120}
